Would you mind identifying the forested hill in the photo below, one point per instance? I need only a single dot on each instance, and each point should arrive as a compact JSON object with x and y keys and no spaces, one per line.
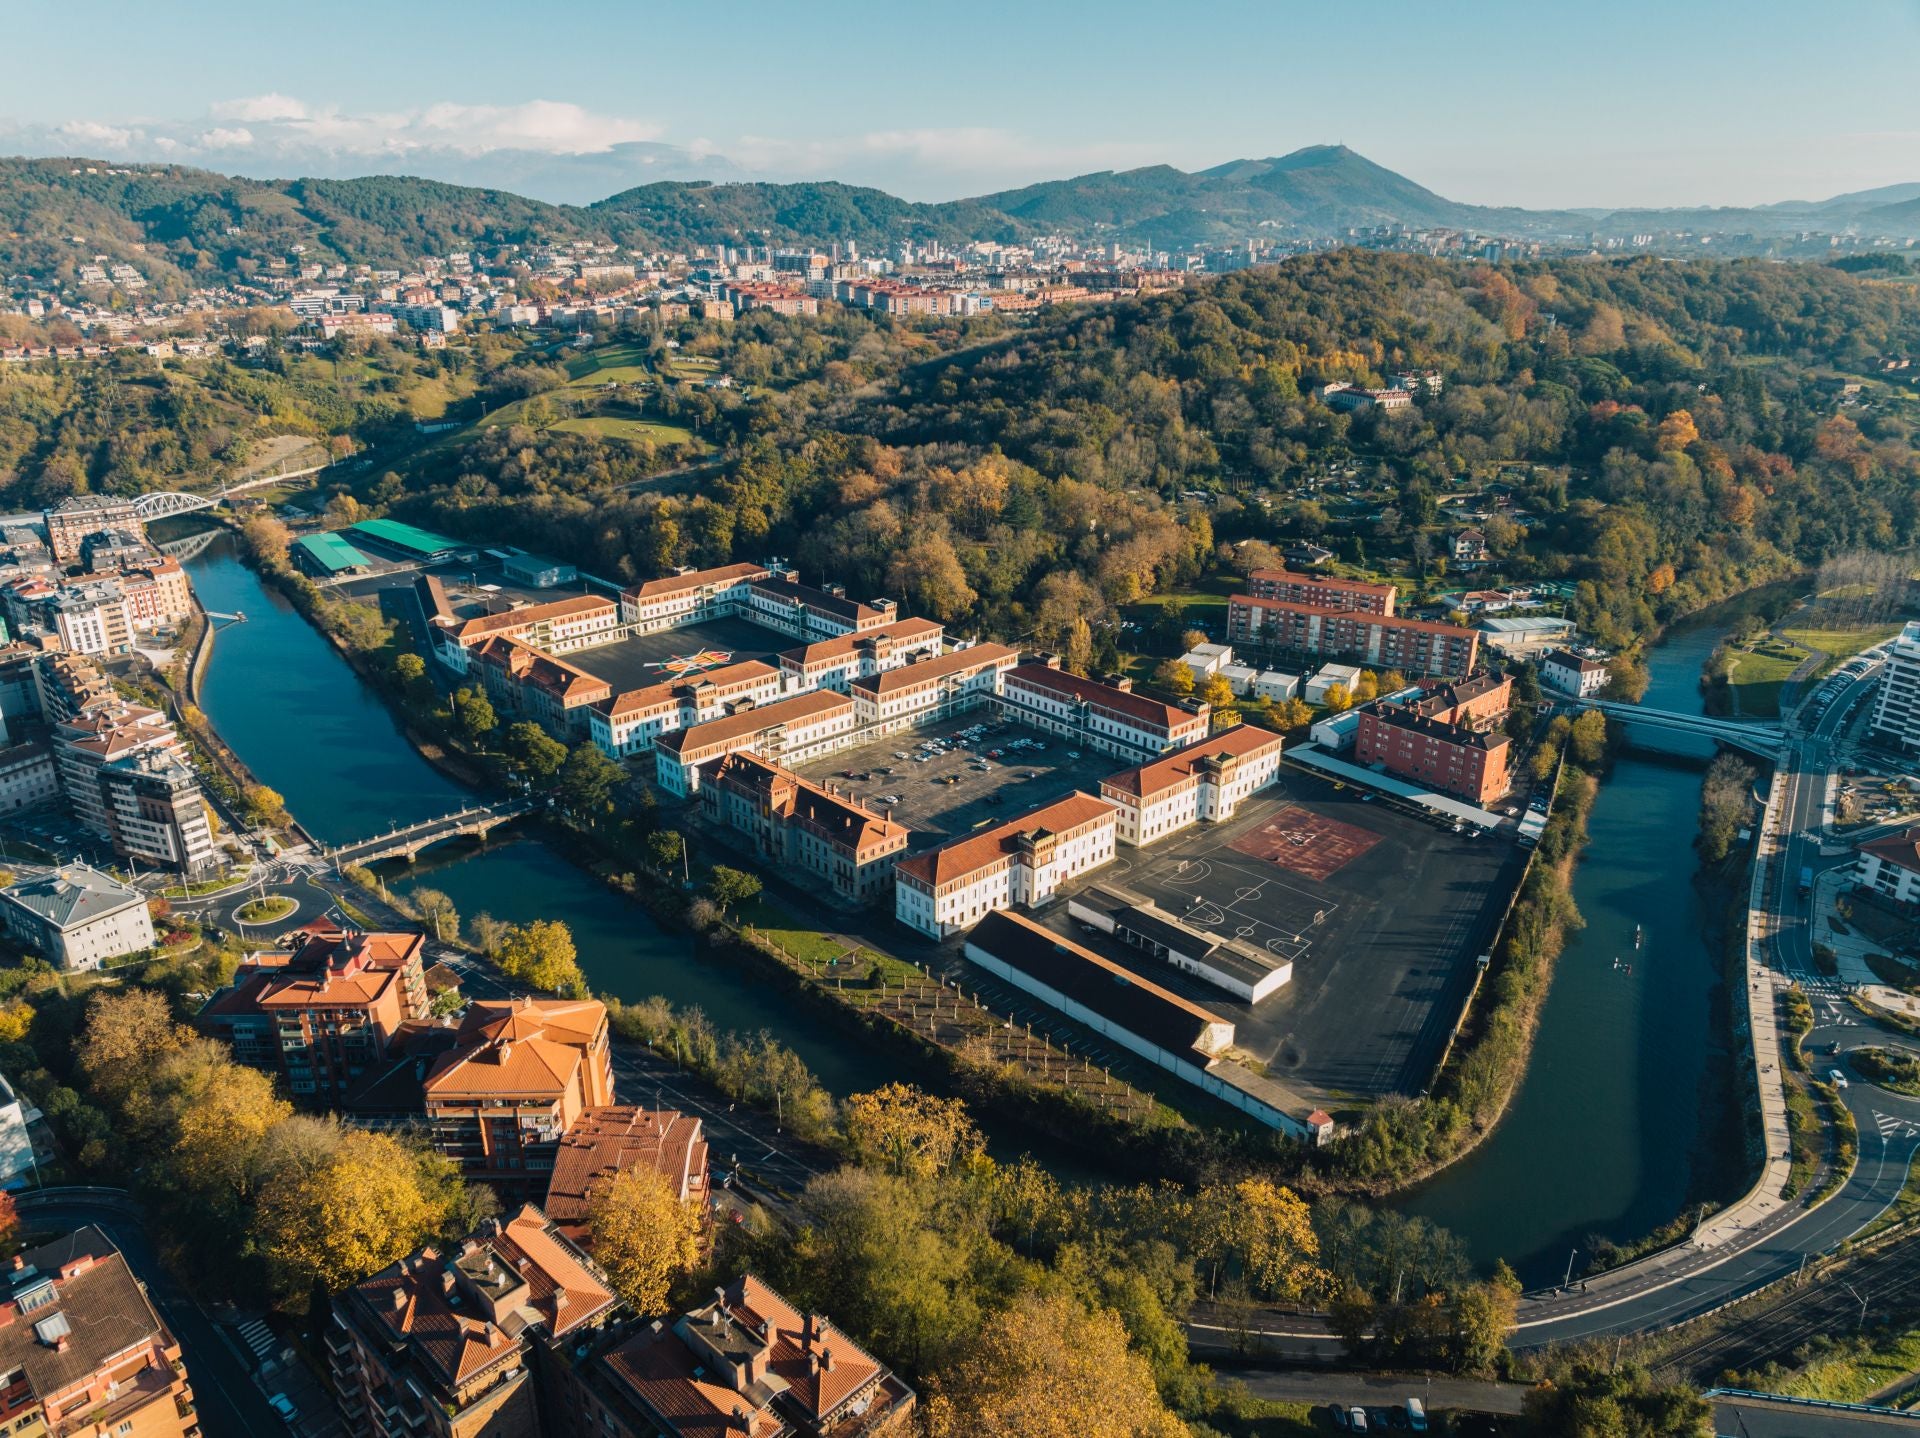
{"x":182,"y":226}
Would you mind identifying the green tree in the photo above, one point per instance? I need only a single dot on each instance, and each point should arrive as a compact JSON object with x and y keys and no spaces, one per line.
{"x":437,"y":913}
{"x":909,"y":1132}
{"x":534,"y":752}
{"x":728,"y":887}
{"x":1588,"y":1401}
{"x":411,"y":671}
{"x":473,"y":711}
{"x":587,"y":781}
{"x":664,"y":848}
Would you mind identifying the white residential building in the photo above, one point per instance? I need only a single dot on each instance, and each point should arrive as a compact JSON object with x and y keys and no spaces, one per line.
{"x":836,"y":663}
{"x":632,"y":722}
{"x":1345,"y":675}
{"x":1203,"y":783}
{"x":1896,"y":712}
{"x":1110,"y":718}
{"x":689,"y":597}
{"x":77,"y":917}
{"x":1022,"y":861}
{"x":17,"y":1118}
{"x":930,"y":688}
{"x":1275,"y":685}
{"x":1205,"y":660}
{"x":1574,"y":674}
{"x":787,"y":731}
{"x":1890,"y":866}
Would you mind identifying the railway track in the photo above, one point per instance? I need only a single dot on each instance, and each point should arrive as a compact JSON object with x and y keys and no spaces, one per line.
{"x":1769,"y":1328}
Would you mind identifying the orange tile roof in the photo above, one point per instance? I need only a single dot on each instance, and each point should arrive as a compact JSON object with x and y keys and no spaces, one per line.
{"x":607,"y":1141}
{"x":576,"y":1020}
{"x":974,"y":852}
{"x":1241,"y":742}
{"x":834,"y":816}
{"x":639,"y":701}
{"x":845,"y":644}
{"x":531,"y":614}
{"x":534,"y":1067}
{"x":959,"y":661}
{"x":674,"y":583}
{"x":529,"y":665}
{"x":1106,"y":696}
{"x":798,"y":709}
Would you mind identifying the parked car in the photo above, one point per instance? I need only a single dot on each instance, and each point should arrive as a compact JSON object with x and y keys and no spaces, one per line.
{"x":284,"y":1406}
{"x":1357,"y":1418}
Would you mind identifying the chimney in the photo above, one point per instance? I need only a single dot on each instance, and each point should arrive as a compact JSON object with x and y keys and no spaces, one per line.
{"x":62,"y":1343}
{"x":826,"y":1360}
{"x":399,"y":1299}
{"x":559,"y":1300}
{"x":506,"y":1050}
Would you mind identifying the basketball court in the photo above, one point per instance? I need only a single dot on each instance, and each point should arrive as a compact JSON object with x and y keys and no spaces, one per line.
{"x":1239,"y":899}
{"x":1309,"y":844}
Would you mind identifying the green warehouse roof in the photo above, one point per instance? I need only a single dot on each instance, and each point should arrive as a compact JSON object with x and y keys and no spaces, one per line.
{"x":331,"y":553}
{"x":423,"y":542}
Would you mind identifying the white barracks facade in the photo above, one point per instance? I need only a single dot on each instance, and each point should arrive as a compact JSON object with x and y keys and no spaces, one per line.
{"x":1202,"y":783}
{"x":1023,"y":861}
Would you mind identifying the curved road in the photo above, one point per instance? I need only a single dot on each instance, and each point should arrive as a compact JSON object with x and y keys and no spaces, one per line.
{"x":229,"y":1404}
{"x":1668,"y":1289}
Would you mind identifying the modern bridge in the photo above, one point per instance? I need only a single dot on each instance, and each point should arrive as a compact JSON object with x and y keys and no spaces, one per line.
{"x":1764,"y":740}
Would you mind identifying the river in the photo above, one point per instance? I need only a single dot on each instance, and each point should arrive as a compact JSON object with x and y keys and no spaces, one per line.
{"x":1603,"y":1137}
{"x":283,"y":700}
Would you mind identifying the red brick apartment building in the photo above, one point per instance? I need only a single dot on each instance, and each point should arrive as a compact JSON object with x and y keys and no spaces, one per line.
{"x":1413,"y":646}
{"x":1447,"y":740}
{"x":323,"y":1013}
{"x":1323,"y":591}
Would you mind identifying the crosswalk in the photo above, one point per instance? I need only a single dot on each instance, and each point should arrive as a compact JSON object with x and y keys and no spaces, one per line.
{"x":258,"y":1338}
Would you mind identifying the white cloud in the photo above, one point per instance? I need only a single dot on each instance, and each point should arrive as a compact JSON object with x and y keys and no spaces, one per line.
{"x":259,"y":108}
{"x":92,"y":132}
{"x":226,"y":137}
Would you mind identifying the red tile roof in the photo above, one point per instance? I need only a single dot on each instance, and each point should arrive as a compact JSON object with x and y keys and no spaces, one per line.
{"x":726,"y":574}
{"x":605,"y":1142}
{"x":801,"y":707}
{"x":1244,"y":741}
{"x":1137,"y":707}
{"x":528,"y":615}
{"x":974,"y":852}
{"x":941,"y":666}
{"x":1902,"y":849}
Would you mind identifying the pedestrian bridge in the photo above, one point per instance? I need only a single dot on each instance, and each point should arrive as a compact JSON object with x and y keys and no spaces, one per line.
{"x":476,"y":821}
{"x":1762,"y":739}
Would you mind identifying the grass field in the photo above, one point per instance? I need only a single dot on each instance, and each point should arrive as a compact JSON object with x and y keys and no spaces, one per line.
{"x":609,"y":427}
{"x":1848,"y":1377}
{"x":1839,"y":644}
{"x":609,"y":362}
{"x":1755,"y":680}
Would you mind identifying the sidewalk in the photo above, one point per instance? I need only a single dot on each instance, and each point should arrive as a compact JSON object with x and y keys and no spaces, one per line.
{"x":1850,"y":950}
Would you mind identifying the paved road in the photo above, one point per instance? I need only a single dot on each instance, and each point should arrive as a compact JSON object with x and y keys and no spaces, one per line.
{"x":1378,"y":1390}
{"x":229,"y":1404}
{"x":1691,"y":1284}
{"x":1760,"y":1418}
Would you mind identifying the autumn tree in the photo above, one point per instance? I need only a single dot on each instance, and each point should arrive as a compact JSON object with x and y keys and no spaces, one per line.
{"x":487,"y":932}
{"x":643,"y":1235}
{"x":126,"y":1033}
{"x":1483,"y":1315}
{"x":910,"y":1132}
{"x":542,"y":954}
{"x":350,"y":1212}
{"x":1049,"y":1368}
{"x":1589,"y":738}
{"x":1264,"y":1228}
{"x":265,"y":806}
{"x":221,"y":1114}
{"x":1217,"y":691}
{"x":436,"y":912}
{"x":1174,"y":676}
{"x":1339,"y":699}
{"x":929,"y":574}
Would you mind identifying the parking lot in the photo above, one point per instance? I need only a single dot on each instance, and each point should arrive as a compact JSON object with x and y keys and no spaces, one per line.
{"x":948,"y":780}
{"x":1382,"y":913}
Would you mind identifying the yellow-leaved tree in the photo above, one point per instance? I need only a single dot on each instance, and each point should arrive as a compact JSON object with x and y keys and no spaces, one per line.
{"x":1048,"y":1368}
{"x":350,"y":1212}
{"x":908,"y":1131}
{"x":643,"y":1235}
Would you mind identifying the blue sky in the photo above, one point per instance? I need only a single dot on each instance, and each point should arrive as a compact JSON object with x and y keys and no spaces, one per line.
{"x":1503,"y":103}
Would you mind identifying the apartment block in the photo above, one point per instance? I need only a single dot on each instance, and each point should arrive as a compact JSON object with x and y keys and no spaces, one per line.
{"x":788,"y":730}
{"x":1022,"y":861}
{"x":630,"y":722}
{"x":77,"y":917}
{"x":746,"y":1365}
{"x":1098,"y":714}
{"x":1323,"y":591}
{"x":1443,"y":741}
{"x":796,"y":824}
{"x":520,"y":1074}
{"x":606,"y":1142}
{"x":471,"y":1342}
{"x":930,"y":688}
{"x":82,"y":1349}
{"x":1202,"y":783}
{"x":1413,"y":646}
{"x":72,"y":520}
{"x":324,"y":1012}
{"x":1896,"y":710}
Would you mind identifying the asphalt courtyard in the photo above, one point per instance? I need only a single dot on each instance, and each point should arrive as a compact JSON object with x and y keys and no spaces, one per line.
{"x":648,"y":659}
{"x":1383,"y":914}
{"x":939,"y":790}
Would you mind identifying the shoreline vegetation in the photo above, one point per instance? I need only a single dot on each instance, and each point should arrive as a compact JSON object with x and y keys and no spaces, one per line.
{"x":1397,"y":1145}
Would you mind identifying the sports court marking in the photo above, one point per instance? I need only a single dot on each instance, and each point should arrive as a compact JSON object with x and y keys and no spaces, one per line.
{"x":1307,"y":843}
{"x":1236,"y":901}
{"x":682,"y":665}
